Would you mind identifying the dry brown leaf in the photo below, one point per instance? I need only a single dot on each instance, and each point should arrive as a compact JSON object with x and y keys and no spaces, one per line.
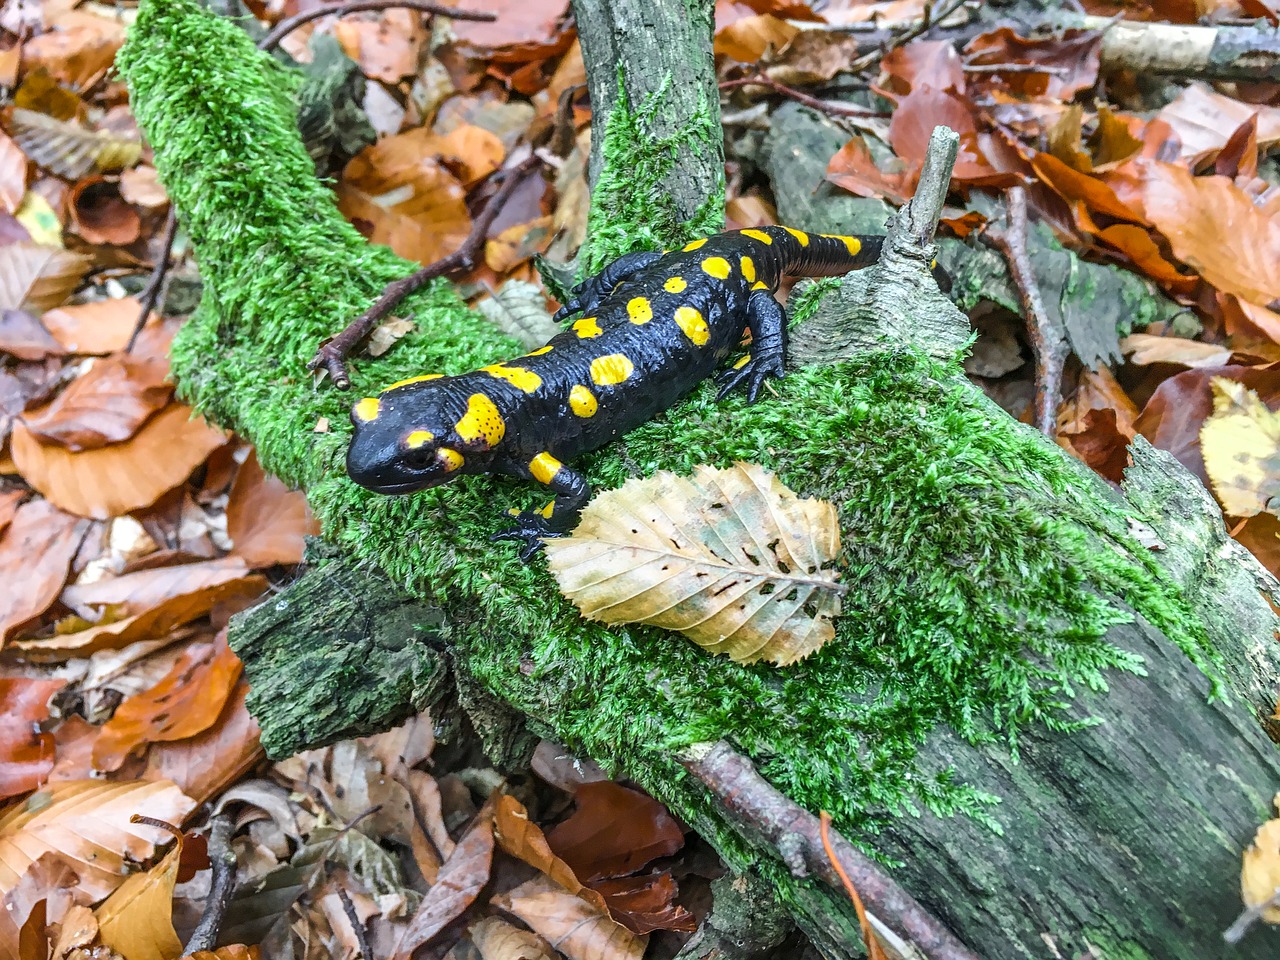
{"x":133,"y":593}
{"x":748,"y":39}
{"x":35,"y":554}
{"x":107,"y":403}
{"x":100,"y":215}
{"x":141,"y":186}
{"x":386,"y":334}
{"x":26,"y":750}
{"x":156,"y":622}
{"x":1260,"y":870}
{"x":1240,"y":442}
{"x":137,"y":920}
{"x":103,"y":326}
{"x":614,"y":832}
{"x":79,"y":51}
{"x":498,"y":940}
{"x":1203,"y":121}
{"x":524,"y":840}
{"x":731,"y":558}
{"x":387,"y":48}
{"x":569,"y":923}
{"x":265,"y":519}
{"x":121,"y":477}
{"x":25,"y":337}
{"x":401,"y":197}
{"x":86,"y":823}
{"x":38,"y":278}
{"x":68,"y":150}
{"x":13,"y":174}
{"x":516,"y":244}
{"x":236,"y":951}
{"x":1146,"y":348}
{"x":471,"y":152}
{"x":457,"y":885}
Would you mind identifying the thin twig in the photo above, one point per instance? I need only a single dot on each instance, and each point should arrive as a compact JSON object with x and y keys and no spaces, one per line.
{"x":1048,"y":339}
{"x":1015,"y":68}
{"x":331,"y":355}
{"x":349,"y":908}
{"x":289,"y":24}
{"x":828,"y":107}
{"x":925,"y":24}
{"x":221,"y":887}
{"x":762,"y":811}
{"x":151,"y":295}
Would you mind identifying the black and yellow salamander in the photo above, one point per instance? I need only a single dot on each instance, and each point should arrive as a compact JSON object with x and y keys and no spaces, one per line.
{"x":652,"y":327}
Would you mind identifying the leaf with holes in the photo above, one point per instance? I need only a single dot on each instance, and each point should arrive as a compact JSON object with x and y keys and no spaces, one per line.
{"x":730,"y":558}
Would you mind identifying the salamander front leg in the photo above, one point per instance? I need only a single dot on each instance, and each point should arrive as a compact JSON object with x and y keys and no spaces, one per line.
{"x":768,"y":325}
{"x":558,"y":517}
{"x":588,"y":294}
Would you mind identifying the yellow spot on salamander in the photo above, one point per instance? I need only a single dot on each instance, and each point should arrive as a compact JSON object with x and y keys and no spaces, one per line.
{"x":638,"y":310}
{"x":450,"y":459}
{"x":742,"y":362}
{"x":717,"y":267}
{"x":544,"y":467}
{"x":367,"y":409}
{"x":800,"y":235}
{"x":758,"y":235}
{"x":853,"y":244}
{"x":482,"y":423}
{"x":547,"y":509}
{"x":419,"y":438}
{"x":582,"y":401}
{"x":422,"y":379}
{"x":749,"y":269}
{"x":695,"y":328}
{"x":759,"y":285}
{"x":694,"y":245}
{"x":518,"y":377}
{"x":586,"y":328}
{"x":933,"y":264}
{"x":675,"y":285}
{"x":540,"y":351}
{"x":611,"y":369}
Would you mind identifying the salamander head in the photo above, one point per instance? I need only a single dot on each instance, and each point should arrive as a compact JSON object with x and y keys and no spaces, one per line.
{"x":401,"y":447}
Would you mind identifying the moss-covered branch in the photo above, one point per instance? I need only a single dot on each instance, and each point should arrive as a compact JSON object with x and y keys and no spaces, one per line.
{"x":996,"y":579}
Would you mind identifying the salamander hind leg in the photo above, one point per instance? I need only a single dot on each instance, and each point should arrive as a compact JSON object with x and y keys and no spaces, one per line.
{"x":768,"y":324}
{"x":587,"y":295}
{"x":559,"y":516}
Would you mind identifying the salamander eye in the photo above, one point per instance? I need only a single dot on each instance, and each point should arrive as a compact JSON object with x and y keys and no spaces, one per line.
{"x":419,"y":458}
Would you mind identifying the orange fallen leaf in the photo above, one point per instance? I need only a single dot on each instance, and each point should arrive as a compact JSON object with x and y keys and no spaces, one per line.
{"x":523,"y":839}
{"x":471,"y":152}
{"x":1202,"y":121}
{"x":569,"y":923}
{"x":86,"y":823}
{"x":103,"y":326}
{"x":185,"y":703}
{"x":106,"y":404}
{"x":115,"y":479}
{"x":35,"y":554}
{"x":26,"y":752}
{"x":267,"y":521}
{"x":387,"y":48}
{"x":132,"y":593}
{"x":614,"y":831}
{"x":79,"y":52}
{"x":517,"y":244}
{"x":749,"y":38}
{"x":100,"y":215}
{"x":523,"y":31}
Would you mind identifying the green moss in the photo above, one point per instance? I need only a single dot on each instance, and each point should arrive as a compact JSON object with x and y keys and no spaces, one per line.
{"x":970,"y":607}
{"x":630,"y":209}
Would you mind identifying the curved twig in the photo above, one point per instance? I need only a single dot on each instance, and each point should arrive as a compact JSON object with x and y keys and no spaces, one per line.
{"x":289,"y":24}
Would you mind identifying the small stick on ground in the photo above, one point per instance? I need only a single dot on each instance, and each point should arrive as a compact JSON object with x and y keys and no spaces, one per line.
{"x":926,"y":23}
{"x":755,"y":805}
{"x":332,"y":355}
{"x":828,"y":107}
{"x":221,"y":887}
{"x":1048,"y":339}
{"x":353,"y":918}
{"x":268,"y":43}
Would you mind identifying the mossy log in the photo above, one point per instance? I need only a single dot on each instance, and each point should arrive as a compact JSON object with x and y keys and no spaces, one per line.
{"x":1003,"y":603}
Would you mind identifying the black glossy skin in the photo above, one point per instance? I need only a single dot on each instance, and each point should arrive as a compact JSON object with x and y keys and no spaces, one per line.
{"x":527,"y":417}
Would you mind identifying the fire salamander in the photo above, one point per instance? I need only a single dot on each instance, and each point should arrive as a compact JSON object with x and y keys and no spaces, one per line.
{"x":652,"y":327}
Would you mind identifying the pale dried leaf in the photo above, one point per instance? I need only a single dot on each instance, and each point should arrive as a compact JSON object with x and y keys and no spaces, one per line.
{"x":569,"y":923}
{"x":13,"y":174}
{"x":730,"y":558}
{"x":115,"y":479}
{"x":38,"y":278}
{"x":519,"y":309}
{"x":386,"y":334}
{"x":1241,"y":446}
{"x":1260,"y":870}
{"x":68,"y":150}
{"x":137,"y":920}
{"x":498,"y":940}
{"x":1146,"y":348}
{"x":523,"y":839}
{"x":86,"y":823}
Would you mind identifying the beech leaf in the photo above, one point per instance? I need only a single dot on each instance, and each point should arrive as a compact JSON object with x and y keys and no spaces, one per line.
{"x":570,"y":924}
{"x":730,"y":558}
{"x":137,"y":920}
{"x":498,"y":940}
{"x":1241,"y":446}
{"x":36,"y":278}
{"x":70,"y":151}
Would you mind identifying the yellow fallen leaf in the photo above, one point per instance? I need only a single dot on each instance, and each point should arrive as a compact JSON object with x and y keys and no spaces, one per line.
{"x":1241,"y":446}
{"x":1260,"y":870}
{"x":730,"y":558}
{"x":137,"y":920}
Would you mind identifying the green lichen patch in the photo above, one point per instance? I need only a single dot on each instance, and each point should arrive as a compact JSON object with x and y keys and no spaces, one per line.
{"x":982,"y":559}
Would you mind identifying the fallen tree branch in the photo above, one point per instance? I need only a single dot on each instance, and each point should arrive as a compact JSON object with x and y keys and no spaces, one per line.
{"x":831,"y":108}
{"x":752,"y":803}
{"x":221,"y":888}
{"x":332,"y":354}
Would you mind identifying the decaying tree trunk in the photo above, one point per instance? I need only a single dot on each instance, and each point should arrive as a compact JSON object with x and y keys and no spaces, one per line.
{"x":999,"y":594}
